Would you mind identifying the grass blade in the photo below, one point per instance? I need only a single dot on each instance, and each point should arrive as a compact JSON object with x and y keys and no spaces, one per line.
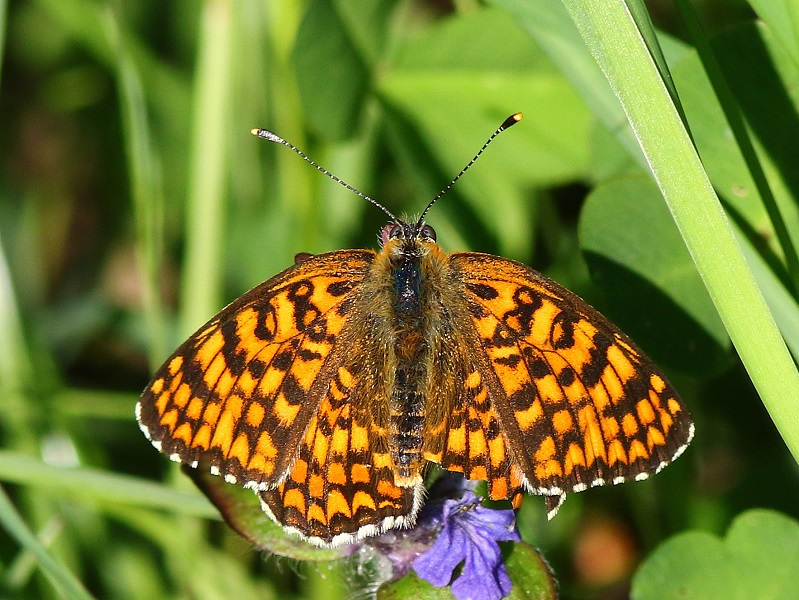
{"x":613,"y":39}
{"x":64,"y":581}
{"x":101,"y":486}
{"x":734,"y":116}
{"x":202,"y":274}
{"x":148,"y":201}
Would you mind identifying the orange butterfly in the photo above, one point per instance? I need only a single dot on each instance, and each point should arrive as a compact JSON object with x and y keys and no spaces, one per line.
{"x":331,"y":387}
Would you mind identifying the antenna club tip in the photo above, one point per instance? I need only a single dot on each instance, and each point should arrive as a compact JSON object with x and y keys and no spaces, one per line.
{"x":268,"y":135}
{"x":511,"y":120}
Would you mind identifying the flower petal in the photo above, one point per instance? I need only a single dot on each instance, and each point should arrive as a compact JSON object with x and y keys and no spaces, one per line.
{"x":437,"y":564}
{"x":484,"y":576}
{"x":470,"y":532}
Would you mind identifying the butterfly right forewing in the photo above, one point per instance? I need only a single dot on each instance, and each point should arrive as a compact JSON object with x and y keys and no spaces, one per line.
{"x":580,"y":405}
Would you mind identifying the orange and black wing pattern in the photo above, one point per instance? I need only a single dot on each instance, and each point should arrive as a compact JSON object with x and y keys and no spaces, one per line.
{"x":241,"y":392}
{"x":464,"y":430}
{"x":341,"y":487}
{"x":578,"y":405}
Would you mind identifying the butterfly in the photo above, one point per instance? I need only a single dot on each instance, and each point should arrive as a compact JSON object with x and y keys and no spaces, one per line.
{"x":332,"y":387}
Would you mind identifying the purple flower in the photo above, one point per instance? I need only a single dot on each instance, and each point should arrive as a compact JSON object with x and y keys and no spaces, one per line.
{"x":470,"y":533}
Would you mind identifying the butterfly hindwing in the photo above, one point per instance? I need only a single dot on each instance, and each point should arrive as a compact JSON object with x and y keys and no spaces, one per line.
{"x":579,"y":404}
{"x":463,"y":431}
{"x":341,"y":485}
{"x":239,"y":393}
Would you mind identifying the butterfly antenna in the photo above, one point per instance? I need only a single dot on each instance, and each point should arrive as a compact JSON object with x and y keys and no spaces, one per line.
{"x":511,"y":120}
{"x":272,"y":137}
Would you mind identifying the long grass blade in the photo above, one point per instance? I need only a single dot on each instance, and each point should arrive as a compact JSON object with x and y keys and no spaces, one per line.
{"x":63,"y":581}
{"x":613,"y":39}
{"x":100,"y":485}
{"x":148,"y":201}
{"x":735,"y":118}
{"x":202,"y":274}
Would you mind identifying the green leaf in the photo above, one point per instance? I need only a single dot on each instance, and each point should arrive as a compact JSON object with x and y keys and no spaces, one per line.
{"x":201,"y":287}
{"x":616,"y":45}
{"x":144,"y":173}
{"x":367,"y":23}
{"x":635,"y":253}
{"x":63,"y":580}
{"x":98,"y":485}
{"x":3,"y":20}
{"x":549,"y":23}
{"x":476,"y":69}
{"x":331,"y":76}
{"x":765,"y":97}
{"x":242,"y":510}
{"x":529,"y":572}
{"x":411,"y":586}
{"x":757,"y":559}
{"x":782,"y":16}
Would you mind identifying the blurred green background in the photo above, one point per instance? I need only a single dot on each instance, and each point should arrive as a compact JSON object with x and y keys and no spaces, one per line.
{"x":134,"y":204}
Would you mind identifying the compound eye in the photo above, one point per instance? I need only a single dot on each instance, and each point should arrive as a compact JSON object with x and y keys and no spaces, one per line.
{"x":390,"y":232}
{"x":428,"y":233}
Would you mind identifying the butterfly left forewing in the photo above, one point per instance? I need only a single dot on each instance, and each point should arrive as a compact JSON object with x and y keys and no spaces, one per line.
{"x":239,"y":393}
{"x":580,"y":405}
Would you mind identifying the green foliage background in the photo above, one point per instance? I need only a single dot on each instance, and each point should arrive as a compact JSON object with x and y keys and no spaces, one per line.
{"x":134,"y":204}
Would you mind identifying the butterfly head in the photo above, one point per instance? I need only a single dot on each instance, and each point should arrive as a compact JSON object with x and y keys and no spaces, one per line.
{"x":400,"y":230}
